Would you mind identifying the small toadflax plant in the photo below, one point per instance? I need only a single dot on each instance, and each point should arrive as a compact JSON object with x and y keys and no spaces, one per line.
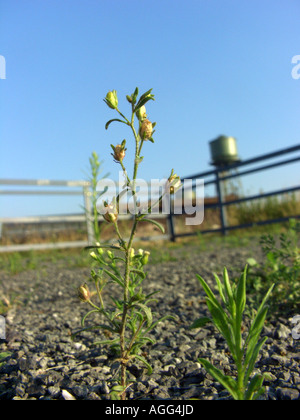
{"x":126,"y":320}
{"x":227,"y":316}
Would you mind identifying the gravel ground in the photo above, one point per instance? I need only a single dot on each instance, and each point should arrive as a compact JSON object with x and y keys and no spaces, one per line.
{"x":46,"y":364}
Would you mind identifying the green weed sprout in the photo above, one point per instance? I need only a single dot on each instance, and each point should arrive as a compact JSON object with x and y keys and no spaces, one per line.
{"x":127,"y":321}
{"x":229,"y":322}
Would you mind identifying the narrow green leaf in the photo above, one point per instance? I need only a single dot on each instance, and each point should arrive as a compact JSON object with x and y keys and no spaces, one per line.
{"x":228,"y":291}
{"x":150,"y":370}
{"x":113,"y":277}
{"x":199,"y":323}
{"x":266,"y":298}
{"x":143,"y":101}
{"x":258,"y":322}
{"x":118,"y":388}
{"x":114,"y":119}
{"x":146,"y":94}
{"x":206,"y":288}
{"x":240,"y":303}
{"x":260,"y":392}
{"x":151,"y":294}
{"x":154,"y":222}
{"x":221,"y":321}
{"x":253,"y":347}
{"x":105,"y":342}
{"x":251,"y":356}
{"x":226,"y":381}
{"x":254,"y":386}
{"x":221,"y":289}
{"x":88,"y":314}
{"x":241,"y":293}
{"x":147,"y":312}
{"x":138,"y":272}
{"x":134,"y":95}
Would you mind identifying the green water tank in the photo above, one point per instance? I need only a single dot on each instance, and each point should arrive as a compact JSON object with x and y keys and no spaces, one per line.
{"x":224,"y":151}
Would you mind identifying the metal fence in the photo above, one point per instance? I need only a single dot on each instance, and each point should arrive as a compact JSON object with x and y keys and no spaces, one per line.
{"x":41,"y":188}
{"x":217,"y":176}
{"x":222,"y":174}
{"x":79,"y":188}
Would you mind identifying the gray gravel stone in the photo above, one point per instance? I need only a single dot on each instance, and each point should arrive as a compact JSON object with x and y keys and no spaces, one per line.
{"x":46,"y":364}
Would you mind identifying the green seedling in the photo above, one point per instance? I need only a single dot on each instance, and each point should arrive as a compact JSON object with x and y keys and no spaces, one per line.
{"x":227,"y":316}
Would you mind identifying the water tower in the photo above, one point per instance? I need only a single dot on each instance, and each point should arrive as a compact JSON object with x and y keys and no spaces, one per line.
{"x":224,"y":151}
{"x":223,"y":154}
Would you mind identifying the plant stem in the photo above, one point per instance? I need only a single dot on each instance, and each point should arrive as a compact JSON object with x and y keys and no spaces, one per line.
{"x":125,"y":351}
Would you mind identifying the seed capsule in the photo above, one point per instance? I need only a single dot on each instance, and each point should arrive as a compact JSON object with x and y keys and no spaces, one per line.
{"x":146,"y":129}
{"x":111,"y":213}
{"x":119,"y":153}
{"x":84,"y":293}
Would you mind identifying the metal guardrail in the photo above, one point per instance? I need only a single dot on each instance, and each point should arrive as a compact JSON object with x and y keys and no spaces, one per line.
{"x":219,"y":175}
{"x":84,"y":189}
{"x":224,"y":173}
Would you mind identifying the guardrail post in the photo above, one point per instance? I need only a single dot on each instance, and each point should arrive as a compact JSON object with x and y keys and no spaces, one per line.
{"x":221,"y":203}
{"x":171,"y":227}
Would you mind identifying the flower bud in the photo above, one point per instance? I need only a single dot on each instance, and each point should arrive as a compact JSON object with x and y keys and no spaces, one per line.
{"x":119,"y":152}
{"x":93,"y":255}
{"x":110,"y":254}
{"x":111,"y":99}
{"x":145,"y":258}
{"x":111,"y":212}
{"x":83,"y":293}
{"x":99,"y":249}
{"x":141,"y":113}
{"x":146,"y":130}
{"x":173,"y":183}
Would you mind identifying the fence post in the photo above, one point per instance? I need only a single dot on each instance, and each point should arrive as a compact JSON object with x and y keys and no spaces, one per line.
{"x":88,"y":215}
{"x":220,"y":198}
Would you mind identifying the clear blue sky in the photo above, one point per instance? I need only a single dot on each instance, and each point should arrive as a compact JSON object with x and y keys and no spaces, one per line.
{"x":215,"y":66}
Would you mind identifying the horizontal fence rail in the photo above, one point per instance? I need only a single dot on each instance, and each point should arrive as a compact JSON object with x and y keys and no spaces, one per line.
{"x":87,"y":218}
{"x":223,"y":173}
{"x":82,"y":189}
{"x":217,"y":176}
